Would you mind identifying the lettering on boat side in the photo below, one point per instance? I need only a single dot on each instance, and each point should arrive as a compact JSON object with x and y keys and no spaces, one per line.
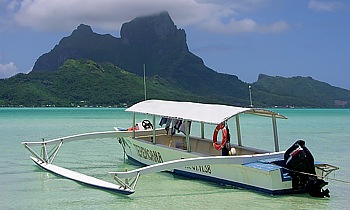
{"x":202,"y":168}
{"x":148,"y":154}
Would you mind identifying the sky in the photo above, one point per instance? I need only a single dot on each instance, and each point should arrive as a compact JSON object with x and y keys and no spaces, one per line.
{"x":240,"y":37}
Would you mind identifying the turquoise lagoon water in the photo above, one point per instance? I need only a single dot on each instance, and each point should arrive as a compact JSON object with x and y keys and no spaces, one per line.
{"x":24,"y":186}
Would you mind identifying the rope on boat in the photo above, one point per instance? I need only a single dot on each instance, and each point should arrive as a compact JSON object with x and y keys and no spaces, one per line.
{"x":339,"y":180}
{"x":322,"y":177}
{"x":123,"y":143}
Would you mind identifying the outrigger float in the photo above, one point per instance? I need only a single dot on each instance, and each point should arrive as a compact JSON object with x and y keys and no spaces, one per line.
{"x":175,"y":149}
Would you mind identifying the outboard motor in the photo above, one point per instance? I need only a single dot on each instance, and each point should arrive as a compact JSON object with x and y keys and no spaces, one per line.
{"x":300,"y":162}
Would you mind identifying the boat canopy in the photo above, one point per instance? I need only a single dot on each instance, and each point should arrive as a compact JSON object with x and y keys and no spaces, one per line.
{"x":197,"y":112}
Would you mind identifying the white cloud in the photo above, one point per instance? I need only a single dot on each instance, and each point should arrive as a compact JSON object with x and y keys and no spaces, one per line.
{"x":327,"y":6}
{"x":244,"y":26}
{"x":58,"y":15}
{"x":8,"y":70}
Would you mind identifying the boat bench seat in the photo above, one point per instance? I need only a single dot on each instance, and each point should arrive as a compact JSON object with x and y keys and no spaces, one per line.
{"x":243,"y":150}
{"x":203,"y":146}
{"x":196,"y":144}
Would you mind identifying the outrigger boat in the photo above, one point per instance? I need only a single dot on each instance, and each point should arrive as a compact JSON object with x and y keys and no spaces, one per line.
{"x":176,"y":149}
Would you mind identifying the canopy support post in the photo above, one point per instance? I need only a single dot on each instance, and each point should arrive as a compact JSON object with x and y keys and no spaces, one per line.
{"x":187,"y":129}
{"x":133,"y":124}
{"x":238,"y":126}
{"x":154,"y":129}
{"x":275,"y":135}
{"x":202,"y":130}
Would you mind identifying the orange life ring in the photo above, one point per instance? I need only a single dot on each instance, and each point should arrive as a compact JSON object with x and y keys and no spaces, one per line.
{"x":216,"y":145}
{"x":135,"y":128}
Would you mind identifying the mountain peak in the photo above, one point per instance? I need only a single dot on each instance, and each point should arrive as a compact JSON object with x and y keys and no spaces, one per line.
{"x":157,"y":27}
{"x":83,"y":29}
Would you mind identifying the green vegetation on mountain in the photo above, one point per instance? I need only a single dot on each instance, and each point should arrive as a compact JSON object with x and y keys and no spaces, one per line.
{"x":299,"y":91}
{"x":89,"y":69}
{"x":87,"y":83}
{"x":84,"y":83}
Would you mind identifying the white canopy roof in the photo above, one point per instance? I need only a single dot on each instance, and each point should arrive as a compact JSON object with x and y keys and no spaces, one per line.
{"x":197,"y":112}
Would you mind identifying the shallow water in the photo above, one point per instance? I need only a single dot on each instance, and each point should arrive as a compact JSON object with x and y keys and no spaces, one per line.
{"x":24,"y":186}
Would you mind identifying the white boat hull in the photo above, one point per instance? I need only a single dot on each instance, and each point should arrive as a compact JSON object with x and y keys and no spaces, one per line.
{"x":257,"y":174}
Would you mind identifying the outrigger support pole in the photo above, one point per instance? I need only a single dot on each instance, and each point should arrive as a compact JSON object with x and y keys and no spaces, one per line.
{"x":34,"y":153}
{"x":45,"y":157}
{"x":125,"y":184}
{"x":275,"y":135}
{"x":44,"y":152}
{"x":55,"y":152}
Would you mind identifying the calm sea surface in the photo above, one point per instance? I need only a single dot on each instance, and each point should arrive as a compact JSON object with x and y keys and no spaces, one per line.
{"x":24,"y":186}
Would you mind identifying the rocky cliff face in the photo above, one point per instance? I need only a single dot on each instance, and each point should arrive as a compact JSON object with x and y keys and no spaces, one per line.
{"x":157,"y":27}
{"x":82,"y":43}
{"x":144,"y":40}
{"x":154,"y":41}
{"x":151,"y":40}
